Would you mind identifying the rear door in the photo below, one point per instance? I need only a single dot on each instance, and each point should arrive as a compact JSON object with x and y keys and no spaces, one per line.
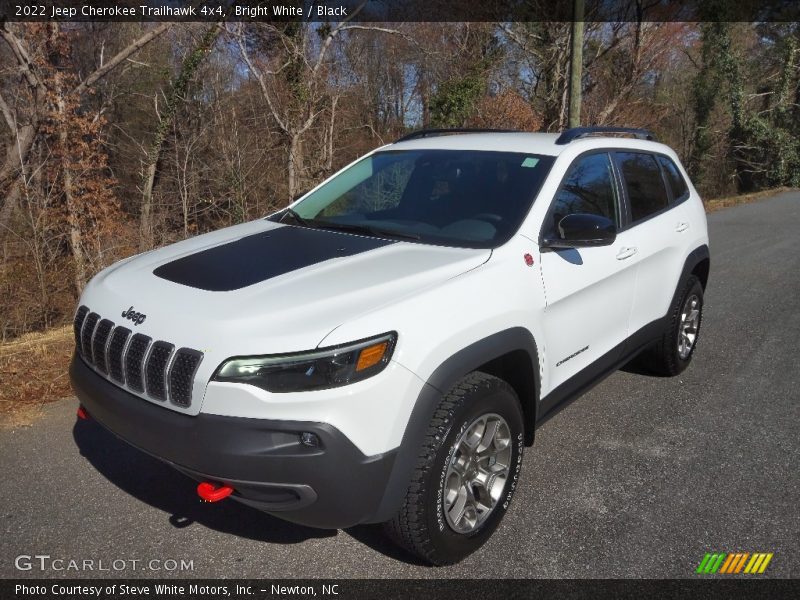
{"x":658,"y":225}
{"x":588,"y":290}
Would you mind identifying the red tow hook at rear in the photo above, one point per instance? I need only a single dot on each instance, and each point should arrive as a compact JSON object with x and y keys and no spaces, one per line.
{"x":83,"y":413}
{"x":212,"y":493}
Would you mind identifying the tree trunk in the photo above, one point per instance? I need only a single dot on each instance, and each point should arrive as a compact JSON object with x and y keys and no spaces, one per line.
{"x":73,"y":216}
{"x":294,"y":143}
{"x":16,"y":155}
{"x":576,"y":66}
{"x":146,"y":214}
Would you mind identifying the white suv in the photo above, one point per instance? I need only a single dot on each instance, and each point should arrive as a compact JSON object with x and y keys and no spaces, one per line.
{"x":383,"y":349}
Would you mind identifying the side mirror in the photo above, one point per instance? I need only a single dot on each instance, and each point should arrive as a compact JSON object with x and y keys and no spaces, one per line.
{"x":583,"y":230}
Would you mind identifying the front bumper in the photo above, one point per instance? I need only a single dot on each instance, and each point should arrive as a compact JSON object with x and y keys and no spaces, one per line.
{"x":331,"y":486}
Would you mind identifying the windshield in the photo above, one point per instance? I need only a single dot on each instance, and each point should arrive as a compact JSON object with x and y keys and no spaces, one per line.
{"x":468,"y":198}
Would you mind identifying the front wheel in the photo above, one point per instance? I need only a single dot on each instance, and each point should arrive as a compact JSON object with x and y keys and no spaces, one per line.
{"x":466,"y":473}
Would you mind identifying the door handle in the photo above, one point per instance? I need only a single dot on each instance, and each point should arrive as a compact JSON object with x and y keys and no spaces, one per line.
{"x":682,"y":226}
{"x":626,"y":252}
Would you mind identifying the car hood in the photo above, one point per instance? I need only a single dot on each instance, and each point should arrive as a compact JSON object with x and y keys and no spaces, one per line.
{"x":264,"y":288}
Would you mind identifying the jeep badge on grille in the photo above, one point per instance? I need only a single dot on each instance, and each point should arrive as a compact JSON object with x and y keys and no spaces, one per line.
{"x":137,"y":317}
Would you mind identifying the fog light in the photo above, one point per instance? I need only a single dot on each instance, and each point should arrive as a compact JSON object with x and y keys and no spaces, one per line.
{"x":309,"y":439}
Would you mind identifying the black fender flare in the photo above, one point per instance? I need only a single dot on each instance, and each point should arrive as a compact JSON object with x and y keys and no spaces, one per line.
{"x":443,"y":378}
{"x":695,"y":257}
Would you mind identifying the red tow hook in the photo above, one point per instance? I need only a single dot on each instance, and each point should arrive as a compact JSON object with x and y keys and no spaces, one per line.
{"x":212,"y":493}
{"x":83,"y":413}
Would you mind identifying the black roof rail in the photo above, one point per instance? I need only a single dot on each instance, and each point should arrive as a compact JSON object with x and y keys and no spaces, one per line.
{"x":579,"y":132}
{"x":423,"y":133}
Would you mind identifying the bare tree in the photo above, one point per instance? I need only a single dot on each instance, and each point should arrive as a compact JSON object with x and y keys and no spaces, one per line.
{"x":294,"y":85}
{"x":174,"y":97}
{"x":13,"y":170}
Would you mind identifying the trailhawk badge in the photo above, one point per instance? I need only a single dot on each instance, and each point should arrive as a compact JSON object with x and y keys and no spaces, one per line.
{"x":137,"y":317}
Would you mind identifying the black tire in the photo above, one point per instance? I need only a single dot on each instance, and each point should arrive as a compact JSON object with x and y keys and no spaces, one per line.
{"x":420,"y":526}
{"x":664,"y":357}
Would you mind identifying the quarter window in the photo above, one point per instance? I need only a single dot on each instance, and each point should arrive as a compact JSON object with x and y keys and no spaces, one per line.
{"x":675,"y":179}
{"x":588,"y":188}
{"x":646,"y":192}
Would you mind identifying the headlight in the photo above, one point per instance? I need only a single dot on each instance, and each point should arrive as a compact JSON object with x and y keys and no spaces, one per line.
{"x":314,"y":370}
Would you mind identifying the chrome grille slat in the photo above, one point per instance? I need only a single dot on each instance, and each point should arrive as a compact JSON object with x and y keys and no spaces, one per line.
{"x":151,"y":368}
{"x":156,"y":369}
{"x":99,"y":344}
{"x":116,"y":348}
{"x":134,"y":361}
{"x":181,"y":375}
{"x":77,"y":324}
{"x":87,"y":333}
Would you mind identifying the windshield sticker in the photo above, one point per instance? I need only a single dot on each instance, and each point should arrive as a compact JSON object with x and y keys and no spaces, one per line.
{"x":530,"y":162}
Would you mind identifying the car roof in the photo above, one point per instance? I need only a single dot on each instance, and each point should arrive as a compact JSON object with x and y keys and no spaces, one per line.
{"x":523,"y":142}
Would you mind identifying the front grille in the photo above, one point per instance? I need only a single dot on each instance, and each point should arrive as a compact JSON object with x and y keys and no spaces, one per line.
{"x":135,"y":360}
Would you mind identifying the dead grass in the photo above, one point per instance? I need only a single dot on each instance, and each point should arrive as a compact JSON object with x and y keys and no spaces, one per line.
{"x":33,"y":368}
{"x":33,"y":371}
{"x":719,"y":203}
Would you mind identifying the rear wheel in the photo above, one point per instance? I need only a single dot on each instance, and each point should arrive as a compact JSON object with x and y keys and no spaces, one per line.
{"x":673,"y":352}
{"x":466,"y":473}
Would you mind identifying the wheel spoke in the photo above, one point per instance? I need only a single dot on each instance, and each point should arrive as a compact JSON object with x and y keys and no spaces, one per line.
{"x":475,"y":435}
{"x":480,"y":496}
{"x":459,"y":465}
{"x":456,"y":511}
{"x":489,"y":432}
{"x":491,"y":485}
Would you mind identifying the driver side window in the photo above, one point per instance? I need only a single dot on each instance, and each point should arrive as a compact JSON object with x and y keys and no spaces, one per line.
{"x":588,"y":188}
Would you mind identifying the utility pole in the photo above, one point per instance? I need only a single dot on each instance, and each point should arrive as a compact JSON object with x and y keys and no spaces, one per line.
{"x":576,"y":65}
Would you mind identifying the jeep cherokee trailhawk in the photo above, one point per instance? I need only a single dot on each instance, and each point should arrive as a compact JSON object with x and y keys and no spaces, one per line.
{"x":382,"y":350}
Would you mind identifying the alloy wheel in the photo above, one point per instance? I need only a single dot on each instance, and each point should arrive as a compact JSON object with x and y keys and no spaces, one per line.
{"x":477,"y":473}
{"x":689,"y":325}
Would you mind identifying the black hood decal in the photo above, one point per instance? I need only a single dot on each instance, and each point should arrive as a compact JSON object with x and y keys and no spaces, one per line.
{"x":262,"y":256}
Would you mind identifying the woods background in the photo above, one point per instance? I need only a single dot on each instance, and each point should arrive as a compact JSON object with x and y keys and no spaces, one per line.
{"x":120,"y":137}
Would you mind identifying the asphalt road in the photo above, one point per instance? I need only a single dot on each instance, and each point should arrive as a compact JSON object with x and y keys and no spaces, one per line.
{"x":639,"y":478}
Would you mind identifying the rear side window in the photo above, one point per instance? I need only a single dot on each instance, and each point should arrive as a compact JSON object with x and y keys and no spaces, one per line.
{"x":676,"y":181}
{"x":646,"y":192}
{"x":588,"y":188}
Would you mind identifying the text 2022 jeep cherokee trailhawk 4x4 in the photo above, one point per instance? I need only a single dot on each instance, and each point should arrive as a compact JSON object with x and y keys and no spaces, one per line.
{"x":382,"y":350}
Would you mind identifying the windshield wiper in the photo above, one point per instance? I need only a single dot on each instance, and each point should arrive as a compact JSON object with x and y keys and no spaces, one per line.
{"x":298,"y":219}
{"x":368,"y":229}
